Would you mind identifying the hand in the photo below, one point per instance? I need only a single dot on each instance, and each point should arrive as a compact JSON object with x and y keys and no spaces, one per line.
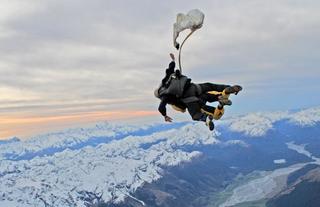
{"x":172,"y":56}
{"x":168,"y":119}
{"x":177,"y":46}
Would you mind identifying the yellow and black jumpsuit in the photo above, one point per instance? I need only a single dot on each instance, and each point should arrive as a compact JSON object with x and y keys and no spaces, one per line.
{"x":197,"y":95}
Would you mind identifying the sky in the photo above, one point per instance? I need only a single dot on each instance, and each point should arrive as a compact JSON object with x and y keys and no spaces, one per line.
{"x":65,"y":63}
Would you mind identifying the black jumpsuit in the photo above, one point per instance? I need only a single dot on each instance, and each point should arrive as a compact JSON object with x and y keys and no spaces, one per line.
{"x":194,"y":97}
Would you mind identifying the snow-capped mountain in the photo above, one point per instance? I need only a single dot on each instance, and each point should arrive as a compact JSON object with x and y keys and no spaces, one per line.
{"x":11,"y":140}
{"x":75,"y":138}
{"x":110,"y":171}
{"x":109,"y":163}
{"x":258,"y":124}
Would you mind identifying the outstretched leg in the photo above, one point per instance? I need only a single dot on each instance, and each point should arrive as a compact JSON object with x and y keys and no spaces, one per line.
{"x":195,"y":112}
{"x":218,"y":92}
{"x":211,"y":92}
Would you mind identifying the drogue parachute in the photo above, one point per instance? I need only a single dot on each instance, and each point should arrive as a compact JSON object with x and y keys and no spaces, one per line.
{"x":193,"y":20}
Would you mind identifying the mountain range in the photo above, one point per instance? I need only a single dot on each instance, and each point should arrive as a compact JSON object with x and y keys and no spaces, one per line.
{"x":261,"y":159}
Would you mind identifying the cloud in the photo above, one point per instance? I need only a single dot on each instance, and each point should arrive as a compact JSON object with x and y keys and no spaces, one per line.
{"x":79,"y":56}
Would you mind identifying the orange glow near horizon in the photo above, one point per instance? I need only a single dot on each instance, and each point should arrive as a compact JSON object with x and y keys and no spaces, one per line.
{"x":24,"y":125}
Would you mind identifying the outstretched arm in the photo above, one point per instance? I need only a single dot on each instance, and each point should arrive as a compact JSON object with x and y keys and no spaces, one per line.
{"x":172,"y":65}
{"x":169,"y":70}
{"x":162,"y":109}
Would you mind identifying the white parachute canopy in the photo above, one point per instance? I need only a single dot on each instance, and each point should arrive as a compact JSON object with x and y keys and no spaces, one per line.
{"x":193,"y":20}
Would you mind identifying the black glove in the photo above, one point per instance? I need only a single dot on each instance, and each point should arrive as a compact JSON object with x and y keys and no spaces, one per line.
{"x":177,"y":46}
{"x":168,"y":119}
{"x":178,"y":73}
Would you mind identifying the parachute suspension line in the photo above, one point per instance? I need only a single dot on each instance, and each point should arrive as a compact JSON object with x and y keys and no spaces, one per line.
{"x":192,"y":31}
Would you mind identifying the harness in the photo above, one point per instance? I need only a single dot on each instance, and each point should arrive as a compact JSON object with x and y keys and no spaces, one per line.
{"x":175,"y":85}
{"x":181,"y":87}
{"x":192,"y":93}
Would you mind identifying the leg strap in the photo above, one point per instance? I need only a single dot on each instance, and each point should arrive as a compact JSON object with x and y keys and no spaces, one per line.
{"x":223,"y":94}
{"x":215,"y":92}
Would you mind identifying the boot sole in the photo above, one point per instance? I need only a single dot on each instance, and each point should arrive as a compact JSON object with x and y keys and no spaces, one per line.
{"x":233,"y":89}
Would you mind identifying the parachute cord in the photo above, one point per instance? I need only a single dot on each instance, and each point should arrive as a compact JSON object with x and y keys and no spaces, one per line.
{"x":181,"y":48}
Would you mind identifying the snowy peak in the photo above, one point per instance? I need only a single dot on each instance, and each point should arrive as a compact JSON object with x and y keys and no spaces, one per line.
{"x":258,"y":124}
{"x":307,"y":117}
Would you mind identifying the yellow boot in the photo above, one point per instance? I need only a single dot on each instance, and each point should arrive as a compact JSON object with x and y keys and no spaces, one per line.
{"x":218,"y":113}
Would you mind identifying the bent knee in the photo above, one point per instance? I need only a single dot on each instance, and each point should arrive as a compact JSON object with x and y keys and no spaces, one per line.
{"x":197,"y":117}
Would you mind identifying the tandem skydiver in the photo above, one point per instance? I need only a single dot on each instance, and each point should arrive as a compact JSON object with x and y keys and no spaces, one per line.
{"x":178,"y":91}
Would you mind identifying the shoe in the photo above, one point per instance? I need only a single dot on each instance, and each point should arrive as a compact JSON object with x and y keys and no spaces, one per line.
{"x":224,"y":101}
{"x":233,"y":89}
{"x":210,"y":123}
